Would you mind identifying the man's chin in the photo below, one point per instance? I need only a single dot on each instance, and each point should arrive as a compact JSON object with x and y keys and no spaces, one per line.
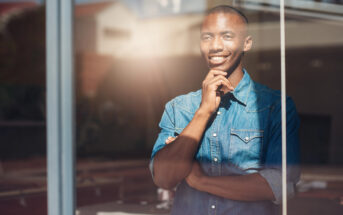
{"x":219,"y":67}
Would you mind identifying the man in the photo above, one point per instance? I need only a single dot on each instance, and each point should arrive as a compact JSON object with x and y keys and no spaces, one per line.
{"x":221,"y":146}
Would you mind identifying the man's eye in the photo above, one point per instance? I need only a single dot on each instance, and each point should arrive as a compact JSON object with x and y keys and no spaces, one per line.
{"x":206,"y":37}
{"x":227,"y":37}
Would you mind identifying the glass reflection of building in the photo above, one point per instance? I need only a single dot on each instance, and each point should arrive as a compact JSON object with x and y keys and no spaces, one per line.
{"x":129,"y":56}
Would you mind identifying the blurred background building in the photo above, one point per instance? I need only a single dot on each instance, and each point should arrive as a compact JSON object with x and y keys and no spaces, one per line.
{"x":131,"y":57}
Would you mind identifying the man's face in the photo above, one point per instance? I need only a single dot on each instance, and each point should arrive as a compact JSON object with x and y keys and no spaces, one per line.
{"x":223,"y":40}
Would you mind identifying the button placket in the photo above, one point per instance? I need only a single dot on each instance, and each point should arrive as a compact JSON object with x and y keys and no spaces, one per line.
{"x":215,"y":148}
{"x":215,"y":153}
{"x":212,"y":206}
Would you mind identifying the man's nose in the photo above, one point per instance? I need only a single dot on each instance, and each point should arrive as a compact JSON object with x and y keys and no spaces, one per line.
{"x":217,"y":44}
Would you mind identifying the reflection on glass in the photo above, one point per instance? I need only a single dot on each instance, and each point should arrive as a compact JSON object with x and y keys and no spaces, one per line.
{"x":126,"y":71}
{"x":134,"y":56}
{"x":22,"y":109}
{"x":312,"y":60}
{"x":313,"y":44}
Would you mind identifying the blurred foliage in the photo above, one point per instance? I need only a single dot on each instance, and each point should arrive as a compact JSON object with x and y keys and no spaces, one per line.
{"x":22,"y":103}
{"x":22,"y":65}
{"x":22,"y":48}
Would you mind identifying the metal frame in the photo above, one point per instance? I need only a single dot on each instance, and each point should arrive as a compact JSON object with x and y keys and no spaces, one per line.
{"x":283,"y":106}
{"x":60,"y":116}
{"x":318,"y":7}
{"x":299,"y":8}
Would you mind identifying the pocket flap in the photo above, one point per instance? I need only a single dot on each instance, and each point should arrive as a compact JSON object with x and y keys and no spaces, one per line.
{"x":247,"y":135}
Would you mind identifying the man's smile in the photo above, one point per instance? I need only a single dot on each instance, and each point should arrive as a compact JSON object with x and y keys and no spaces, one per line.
{"x":217,"y":59}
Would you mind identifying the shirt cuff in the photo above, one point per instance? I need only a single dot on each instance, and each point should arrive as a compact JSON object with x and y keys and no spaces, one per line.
{"x":274,"y":179}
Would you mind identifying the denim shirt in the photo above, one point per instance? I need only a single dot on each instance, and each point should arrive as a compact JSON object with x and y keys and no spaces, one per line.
{"x":243,"y":137}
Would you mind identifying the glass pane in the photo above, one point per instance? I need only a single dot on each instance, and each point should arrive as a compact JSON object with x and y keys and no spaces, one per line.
{"x":22,"y":108}
{"x":313,"y":47}
{"x":130,"y":55}
{"x":314,"y":50}
{"x":134,"y":56}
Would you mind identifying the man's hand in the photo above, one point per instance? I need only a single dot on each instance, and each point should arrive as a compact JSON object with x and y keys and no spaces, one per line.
{"x":195,"y":176}
{"x":210,"y":94}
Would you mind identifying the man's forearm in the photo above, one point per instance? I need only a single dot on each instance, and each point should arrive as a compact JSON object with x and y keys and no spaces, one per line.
{"x":174,"y":162}
{"x":252,"y":187}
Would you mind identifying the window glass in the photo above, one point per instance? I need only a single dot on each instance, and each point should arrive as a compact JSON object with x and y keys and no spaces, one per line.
{"x":131,"y":57}
{"x":314,"y":45}
{"x":22,"y":108}
{"x":313,"y":77}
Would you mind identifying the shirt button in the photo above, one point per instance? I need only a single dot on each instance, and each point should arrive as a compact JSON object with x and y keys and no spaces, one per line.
{"x":213,"y":206}
{"x":215,"y":159}
{"x":214,"y":134}
{"x":246,"y":138}
{"x":219,"y":112}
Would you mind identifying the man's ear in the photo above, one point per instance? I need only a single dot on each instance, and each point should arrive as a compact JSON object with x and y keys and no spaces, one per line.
{"x":247,"y":43}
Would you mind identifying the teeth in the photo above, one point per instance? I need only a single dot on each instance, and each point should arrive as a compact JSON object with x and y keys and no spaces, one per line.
{"x":217,"y":58}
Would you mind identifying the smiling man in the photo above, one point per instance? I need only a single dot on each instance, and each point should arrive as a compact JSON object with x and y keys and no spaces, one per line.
{"x":221,"y":145}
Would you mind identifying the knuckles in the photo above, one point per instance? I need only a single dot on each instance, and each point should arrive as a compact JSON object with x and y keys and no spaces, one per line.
{"x":204,"y":84}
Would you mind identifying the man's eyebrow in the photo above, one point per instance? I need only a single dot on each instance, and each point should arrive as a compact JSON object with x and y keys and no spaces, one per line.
{"x":227,"y":32}
{"x":222,"y":33}
{"x":206,"y":33}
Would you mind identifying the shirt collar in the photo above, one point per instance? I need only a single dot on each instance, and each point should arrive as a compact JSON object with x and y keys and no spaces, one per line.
{"x":241,"y":92}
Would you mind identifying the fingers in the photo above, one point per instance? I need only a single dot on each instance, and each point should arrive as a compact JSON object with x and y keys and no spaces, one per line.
{"x":213,"y":73}
{"x":219,"y":81}
{"x":213,"y":87}
{"x":170,"y":139}
{"x":216,"y":78}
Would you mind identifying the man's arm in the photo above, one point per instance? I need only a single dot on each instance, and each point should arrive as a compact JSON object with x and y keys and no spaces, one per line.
{"x":251,"y":187}
{"x":174,"y":161}
{"x":265,"y":185}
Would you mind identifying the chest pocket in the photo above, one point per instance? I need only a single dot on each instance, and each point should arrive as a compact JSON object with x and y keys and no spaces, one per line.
{"x":246,"y":147}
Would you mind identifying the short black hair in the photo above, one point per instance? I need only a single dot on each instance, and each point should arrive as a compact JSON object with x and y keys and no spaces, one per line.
{"x":227,"y":9}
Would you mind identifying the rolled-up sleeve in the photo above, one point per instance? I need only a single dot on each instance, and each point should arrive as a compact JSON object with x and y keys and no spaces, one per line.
{"x":273,"y":158}
{"x":167,"y":127}
{"x":274,"y":179}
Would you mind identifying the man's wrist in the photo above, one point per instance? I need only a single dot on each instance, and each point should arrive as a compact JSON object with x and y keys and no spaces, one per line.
{"x":201,"y":183}
{"x":201,"y":113}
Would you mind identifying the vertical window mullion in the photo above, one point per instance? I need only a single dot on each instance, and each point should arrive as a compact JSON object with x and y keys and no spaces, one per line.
{"x":283,"y":106}
{"x":60,"y":116}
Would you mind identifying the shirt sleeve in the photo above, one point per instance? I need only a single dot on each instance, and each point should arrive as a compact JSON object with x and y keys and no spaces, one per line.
{"x":273,"y":158}
{"x":167,"y":126}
